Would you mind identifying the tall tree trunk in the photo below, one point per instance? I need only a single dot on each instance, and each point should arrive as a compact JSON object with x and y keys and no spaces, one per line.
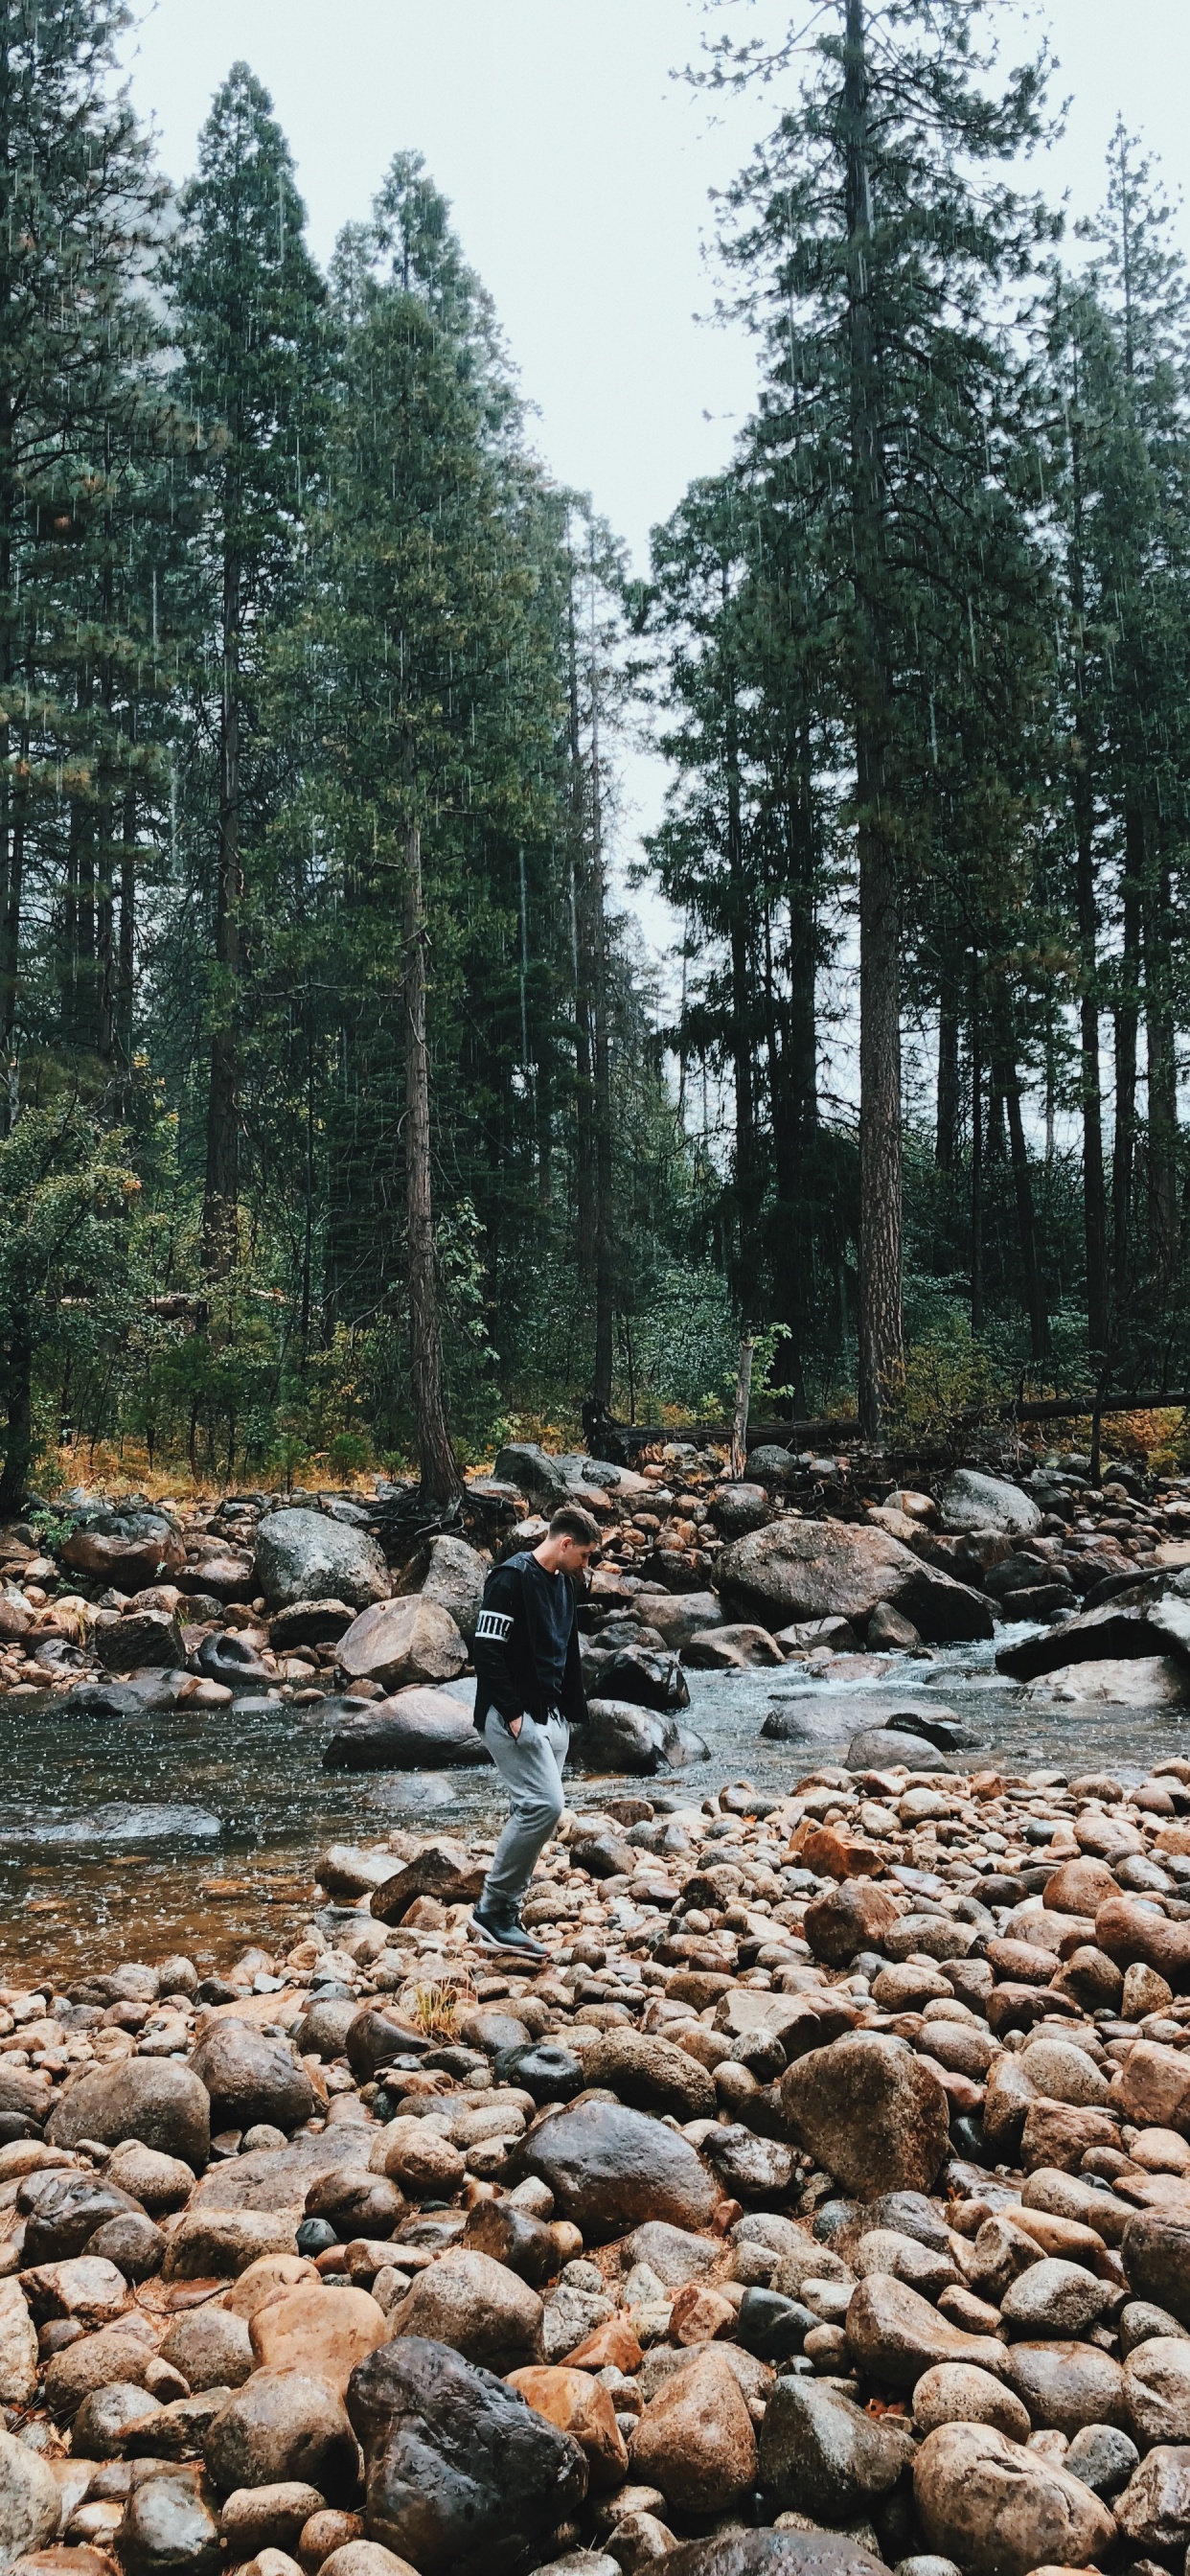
{"x":880,"y":1323}
{"x":1083,"y":799}
{"x":1162,"y":1157}
{"x":977,"y":1278}
{"x":441,"y":1483}
{"x":747,"y":1195}
{"x":18,"y":1401}
{"x":1009,"y":1082}
{"x":10,"y":941}
{"x":126,"y":955}
{"x":220,"y":1214}
{"x":946,"y":1123}
{"x":1127,"y":1017}
{"x":584,"y":1132}
{"x":605,"y":1265}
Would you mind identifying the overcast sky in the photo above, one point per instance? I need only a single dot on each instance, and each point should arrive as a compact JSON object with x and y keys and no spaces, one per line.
{"x":579,"y":170}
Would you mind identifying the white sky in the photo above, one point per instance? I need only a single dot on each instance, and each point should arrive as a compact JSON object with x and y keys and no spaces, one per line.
{"x":578,"y":171}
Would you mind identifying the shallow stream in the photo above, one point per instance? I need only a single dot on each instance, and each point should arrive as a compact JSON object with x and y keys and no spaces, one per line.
{"x":124,"y":1838}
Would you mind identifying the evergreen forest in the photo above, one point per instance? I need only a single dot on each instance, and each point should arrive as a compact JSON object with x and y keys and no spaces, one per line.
{"x":346,"y":1121}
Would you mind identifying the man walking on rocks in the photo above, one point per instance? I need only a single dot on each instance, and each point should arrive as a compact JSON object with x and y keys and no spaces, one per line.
{"x":528,"y":1695}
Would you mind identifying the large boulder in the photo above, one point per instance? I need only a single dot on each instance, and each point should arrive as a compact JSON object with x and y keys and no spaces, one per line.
{"x":796,"y":1570}
{"x":478,"y":2306}
{"x":610,"y":2168}
{"x":402,"y":1643}
{"x":127,"y":1549}
{"x":1151,"y":1617}
{"x":30,"y":2500}
{"x":695,"y":2439}
{"x":619,"y":1737}
{"x":678,"y":1616}
{"x":463,"y":2477}
{"x":643,"y":1676}
{"x":153,"y":2099}
{"x":454,"y":1580}
{"x":999,"y":2509}
{"x":1113,"y":1681}
{"x":305,"y":1556}
{"x":251,"y":2078}
{"x":651,"y":2074}
{"x":822,"y":2455}
{"x":415,"y":1730}
{"x":283,"y":2424}
{"x":974,"y":1502}
{"x":551,"y":1479}
{"x":874,"y":2115}
{"x":168,"y":2529}
{"x":140,"y":1640}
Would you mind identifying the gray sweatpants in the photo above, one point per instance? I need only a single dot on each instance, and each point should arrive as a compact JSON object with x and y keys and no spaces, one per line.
{"x":531,"y":1766}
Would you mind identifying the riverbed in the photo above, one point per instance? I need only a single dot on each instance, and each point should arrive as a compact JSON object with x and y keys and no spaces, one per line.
{"x":135,"y":1836}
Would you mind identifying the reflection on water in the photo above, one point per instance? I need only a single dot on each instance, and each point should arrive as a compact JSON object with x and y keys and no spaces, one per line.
{"x":115,"y":1835}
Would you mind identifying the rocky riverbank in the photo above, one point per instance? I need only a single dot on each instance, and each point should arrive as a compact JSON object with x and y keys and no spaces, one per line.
{"x":337,"y":1602}
{"x":823,"y":2202}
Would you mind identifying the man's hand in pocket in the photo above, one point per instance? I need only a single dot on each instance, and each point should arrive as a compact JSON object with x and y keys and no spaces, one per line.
{"x":514,"y":1727}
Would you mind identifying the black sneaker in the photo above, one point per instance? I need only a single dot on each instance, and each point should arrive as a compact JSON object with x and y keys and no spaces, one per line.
{"x":504,"y":1933}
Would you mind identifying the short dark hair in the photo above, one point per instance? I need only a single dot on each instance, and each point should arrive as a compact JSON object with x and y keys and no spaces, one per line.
{"x":571,"y":1521}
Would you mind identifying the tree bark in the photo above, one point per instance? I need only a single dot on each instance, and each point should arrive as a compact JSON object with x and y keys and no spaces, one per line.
{"x":1009,"y":1082}
{"x":946,"y":1125}
{"x":1083,"y":799}
{"x":1162,"y":1157}
{"x":739,"y":1420}
{"x":441,"y":1482}
{"x":880,"y":1323}
{"x":1127,"y":1017}
{"x":605,"y":1265}
{"x":18,"y":1446}
{"x":220,"y":1214}
{"x":977,"y":1281}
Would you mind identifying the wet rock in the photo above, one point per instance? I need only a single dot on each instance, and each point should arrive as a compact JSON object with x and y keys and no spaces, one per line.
{"x":415,"y":1730}
{"x":305,"y":1556}
{"x":85,"y":2287}
{"x":308,"y":1623}
{"x":132,"y":2243}
{"x":156,"y":2101}
{"x":1067,"y":2386}
{"x":250,"y":2077}
{"x":971,"y":1501}
{"x":29,"y":2500}
{"x":576,"y":2402}
{"x":783,"y":2553}
{"x":118,"y":2355}
{"x":454,"y":1580}
{"x":267,"y":2517}
{"x":463,"y":2478}
{"x":1063,"y":2073}
{"x":895,"y":2335}
{"x":876,"y":1746}
{"x":822,"y":2455}
{"x":402,"y":1644}
{"x":211,"y":2348}
{"x":63,"y":2210}
{"x":872,"y":2114}
{"x":651,"y":2074}
{"x":128,"y":1550}
{"x":216,"y":2242}
{"x":420,"y":2159}
{"x":228,"y":1657}
{"x":739,"y":1647}
{"x":168,"y":2530}
{"x":1156,"y":2258}
{"x":750,"y":2169}
{"x":477,"y":2306}
{"x":322,"y":2030}
{"x":1157,"y":2390}
{"x":108,"y":2417}
{"x":511,"y":2237}
{"x":142,"y":1638}
{"x":797,"y":1570}
{"x":160,"y":2183}
{"x":1113,"y":1681}
{"x":853,"y":1917}
{"x":364,"y":2558}
{"x":442,"y":1869}
{"x":1133,"y":1933}
{"x":958,"y":2392}
{"x":619,"y":1736}
{"x":283,"y":2424}
{"x":673,"y":2253}
{"x":610,"y":2168}
{"x":1000,"y":2509}
{"x":640,"y":1675}
{"x":19,"y":2372}
{"x":1057,"y":2298}
{"x":1103,"y":2458}
{"x":1154,"y":2088}
{"x":1060,"y":2134}
{"x":319,"y":2328}
{"x":679,"y":1616}
{"x":1154,"y":2510}
{"x":695,"y":2439}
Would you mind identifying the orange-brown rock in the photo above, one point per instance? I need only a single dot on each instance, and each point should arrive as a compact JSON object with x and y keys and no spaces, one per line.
{"x":577,"y":2403}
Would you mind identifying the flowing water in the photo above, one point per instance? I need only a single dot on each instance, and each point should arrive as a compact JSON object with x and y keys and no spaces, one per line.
{"x":127,"y":1837}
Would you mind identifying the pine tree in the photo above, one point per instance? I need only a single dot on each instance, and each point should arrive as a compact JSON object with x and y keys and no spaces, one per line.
{"x":249,"y":305}
{"x":871,"y":246}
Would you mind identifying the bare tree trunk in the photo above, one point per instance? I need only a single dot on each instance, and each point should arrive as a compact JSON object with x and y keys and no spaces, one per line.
{"x":220,"y":1214}
{"x":1127,"y":1017}
{"x":1162,"y":1089}
{"x":977,"y":1283}
{"x":605,"y":1263}
{"x":880,"y":1323}
{"x":1094,"y":1196}
{"x":1009,"y":1081}
{"x":946,"y":1126}
{"x":743,"y":1397}
{"x":441,"y":1482}
{"x":126,"y":957}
